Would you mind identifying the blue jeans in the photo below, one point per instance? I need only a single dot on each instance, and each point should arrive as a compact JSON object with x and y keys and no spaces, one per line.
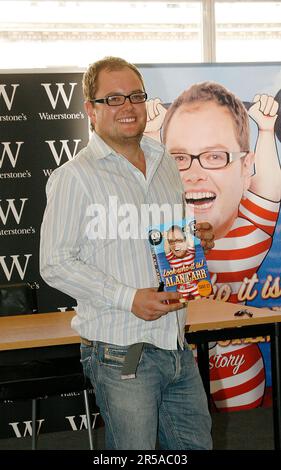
{"x":166,"y":400}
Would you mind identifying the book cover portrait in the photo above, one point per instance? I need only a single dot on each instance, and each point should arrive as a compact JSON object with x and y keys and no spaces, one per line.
{"x":179,"y":259}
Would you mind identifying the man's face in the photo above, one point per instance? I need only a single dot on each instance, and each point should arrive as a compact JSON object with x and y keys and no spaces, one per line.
{"x":117,"y":125}
{"x":214,"y":194}
{"x":177,"y":243}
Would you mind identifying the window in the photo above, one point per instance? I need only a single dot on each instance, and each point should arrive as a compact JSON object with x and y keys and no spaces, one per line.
{"x":71,"y":34}
{"x":248,"y":31}
{"x":52,"y":33}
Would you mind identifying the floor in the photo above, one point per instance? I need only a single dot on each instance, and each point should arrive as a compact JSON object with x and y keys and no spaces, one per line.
{"x":246,"y":430}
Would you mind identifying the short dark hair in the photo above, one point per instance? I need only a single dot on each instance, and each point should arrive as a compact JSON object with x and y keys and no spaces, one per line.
{"x":110,"y":63}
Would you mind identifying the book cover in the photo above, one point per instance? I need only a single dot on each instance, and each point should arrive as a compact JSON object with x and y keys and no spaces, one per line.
{"x":179,"y":259}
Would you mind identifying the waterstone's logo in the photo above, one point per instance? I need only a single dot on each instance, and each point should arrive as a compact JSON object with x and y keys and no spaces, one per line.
{"x":9,"y":155}
{"x":7,"y":95}
{"x":58,"y":150}
{"x":60,"y":93}
{"x":11,"y":211}
{"x":12,"y":266}
{"x":10,"y":152}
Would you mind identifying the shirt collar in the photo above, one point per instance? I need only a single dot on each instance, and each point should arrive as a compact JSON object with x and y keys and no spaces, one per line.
{"x":101,"y":149}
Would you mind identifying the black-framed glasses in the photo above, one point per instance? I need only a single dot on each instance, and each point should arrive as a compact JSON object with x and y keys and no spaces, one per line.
{"x":211,"y":160}
{"x":118,"y":100}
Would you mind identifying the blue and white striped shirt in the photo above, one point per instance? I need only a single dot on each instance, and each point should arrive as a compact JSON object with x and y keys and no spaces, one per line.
{"x":103,"y":274}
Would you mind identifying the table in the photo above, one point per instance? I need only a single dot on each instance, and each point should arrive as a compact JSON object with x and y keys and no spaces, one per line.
{"x":50,"y":335}
{"x":39,"y":336}
{"x":37,"y":330}
{"x":211,"y":320}
{"x":39,"y":339}
{"x":43,"y":348}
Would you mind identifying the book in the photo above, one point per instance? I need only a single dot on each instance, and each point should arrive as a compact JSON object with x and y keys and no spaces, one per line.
{"x":179,"y":259}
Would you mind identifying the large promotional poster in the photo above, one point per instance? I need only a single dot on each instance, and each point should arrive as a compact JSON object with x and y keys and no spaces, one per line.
{"x":241,"y":201}
{"x":43,"y":124}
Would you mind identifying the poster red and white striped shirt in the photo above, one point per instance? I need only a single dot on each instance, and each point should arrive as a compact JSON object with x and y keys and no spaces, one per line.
{"x":237,"y":371}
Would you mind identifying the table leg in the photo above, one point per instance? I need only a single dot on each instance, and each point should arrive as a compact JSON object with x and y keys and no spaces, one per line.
{"x":34,"y":419}
{"x":203,"y":365}
{"x":276,"y":384}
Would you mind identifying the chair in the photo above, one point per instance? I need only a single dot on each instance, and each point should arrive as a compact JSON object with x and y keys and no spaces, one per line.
{"x":40,"y":377}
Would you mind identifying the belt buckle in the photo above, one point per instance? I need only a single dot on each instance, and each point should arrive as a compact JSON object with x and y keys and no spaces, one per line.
{"x":87,"y":342}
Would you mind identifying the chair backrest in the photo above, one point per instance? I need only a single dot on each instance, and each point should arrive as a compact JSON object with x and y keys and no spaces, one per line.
{"x":18,"y":299}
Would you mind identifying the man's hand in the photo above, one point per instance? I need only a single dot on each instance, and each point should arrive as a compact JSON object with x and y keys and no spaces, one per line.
{"x":150,"y":305}
{"x":204,"y":231}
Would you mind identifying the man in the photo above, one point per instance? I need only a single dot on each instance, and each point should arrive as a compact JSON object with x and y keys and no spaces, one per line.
{"x":206,"y":130}
{"x":113,"y":277}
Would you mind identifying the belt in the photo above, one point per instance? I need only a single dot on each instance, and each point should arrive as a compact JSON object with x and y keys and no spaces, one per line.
{"x":90,"y":343}
{"x":87,"y":342}
{"x":131,"y":359}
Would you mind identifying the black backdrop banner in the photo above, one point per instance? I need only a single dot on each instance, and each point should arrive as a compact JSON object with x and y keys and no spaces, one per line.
{"x":42,"y":125}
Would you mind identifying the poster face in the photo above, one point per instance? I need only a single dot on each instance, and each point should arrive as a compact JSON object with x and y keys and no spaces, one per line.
{"x":233,"y":180}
